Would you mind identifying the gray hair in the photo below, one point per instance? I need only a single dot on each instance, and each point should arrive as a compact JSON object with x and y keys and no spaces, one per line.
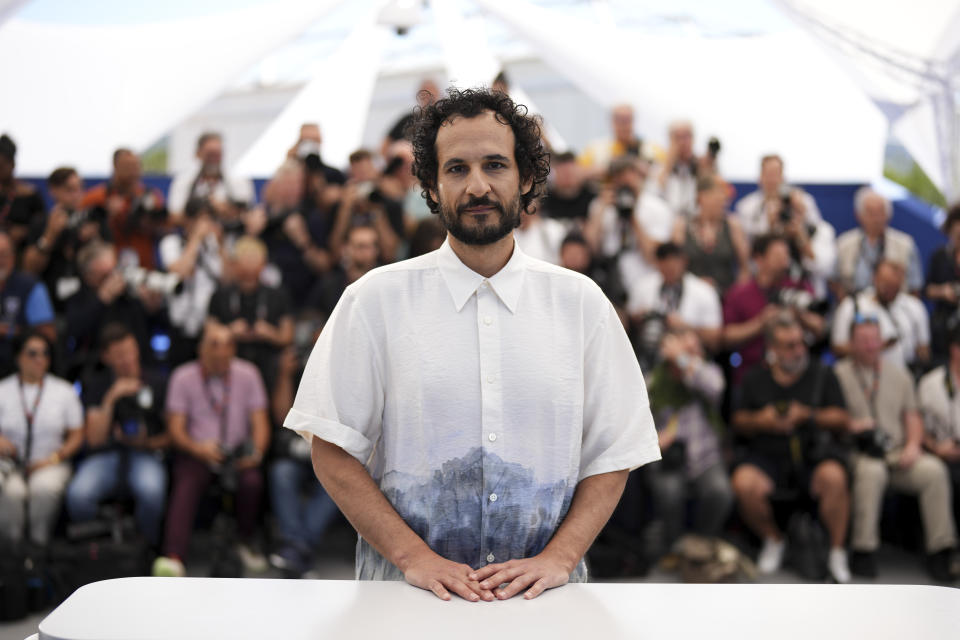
{"x":860,"y":198}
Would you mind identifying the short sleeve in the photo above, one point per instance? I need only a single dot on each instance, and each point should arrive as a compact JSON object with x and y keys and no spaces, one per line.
{"x":618,"y":428}
{"x":170,"y":249}
{"x":909,"y":391}
{"x":832,"y":394}
{"x":341,"y":393}
{"x":256,"y":393}
{"x":218,"y":306}
{"x":73,"y":409}
{"x":177,"y":392}
{"x":710,"y":314}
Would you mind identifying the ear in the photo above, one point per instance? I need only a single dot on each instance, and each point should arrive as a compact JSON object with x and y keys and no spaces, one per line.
{"x":526,"y":186}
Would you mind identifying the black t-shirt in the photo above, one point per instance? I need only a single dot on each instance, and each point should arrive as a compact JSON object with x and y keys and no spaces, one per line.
{"x":327,"y":291}
{"x":139,"y":413}
{"x":567,"y":208}
{"x":22,"y":209}
{"x":266,"y":303}
{"x":758,"y":389}
{"x":62,"y":275}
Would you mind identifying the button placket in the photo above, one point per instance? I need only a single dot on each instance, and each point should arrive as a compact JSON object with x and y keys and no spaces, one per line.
{"x":488,"y":333}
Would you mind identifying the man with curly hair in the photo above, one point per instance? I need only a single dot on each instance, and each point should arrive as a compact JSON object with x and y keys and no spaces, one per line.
{"x":475,"y":412}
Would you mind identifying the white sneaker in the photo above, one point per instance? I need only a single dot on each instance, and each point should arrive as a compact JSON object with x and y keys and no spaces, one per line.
{"x":837,"y":564}
{"x":164,"y":567}
{"x":253,"y":561}
{"x":771,"y":556}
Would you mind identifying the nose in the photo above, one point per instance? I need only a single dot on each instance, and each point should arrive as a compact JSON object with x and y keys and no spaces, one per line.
{"x":477,"y":184}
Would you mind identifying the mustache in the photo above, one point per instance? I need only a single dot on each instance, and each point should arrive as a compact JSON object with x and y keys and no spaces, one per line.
{"x":479,"y":202}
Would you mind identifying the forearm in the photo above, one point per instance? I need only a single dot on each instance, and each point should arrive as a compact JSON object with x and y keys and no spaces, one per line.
{"x":364,"y":505}
{"x":914,"y":429}
{"x":735,"y":335}
{"x":832,"y":418}
{"x":282,"y":397}
{"x":751,"y":422}
{"x":71,"y":445}
{"x":593,"y":502}
{"x":98,"y":423}
{"x":35,"y":261}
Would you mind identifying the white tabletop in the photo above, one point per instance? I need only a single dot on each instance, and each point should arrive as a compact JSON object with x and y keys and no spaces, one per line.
{"x":135,"y":608}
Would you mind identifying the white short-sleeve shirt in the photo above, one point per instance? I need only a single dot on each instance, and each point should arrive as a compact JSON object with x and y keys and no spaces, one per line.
{"x":476,"y":404}
{"x":699,"y":304}
{"x":58,"y":410}
{"x":905,"y":319}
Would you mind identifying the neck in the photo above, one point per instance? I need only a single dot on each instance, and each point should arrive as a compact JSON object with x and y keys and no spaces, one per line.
{"x":29,"y":378}
{"x":247,"y":286}
{"x":873,"y":238}
{"x":783,"y":378}
{"x":486,"y":260}
{"x":868,"y":363}
{"x":212,"y":372}
{"x":765,"y":280}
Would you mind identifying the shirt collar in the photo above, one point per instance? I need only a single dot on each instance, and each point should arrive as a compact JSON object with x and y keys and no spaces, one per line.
{"x":463,"y":282}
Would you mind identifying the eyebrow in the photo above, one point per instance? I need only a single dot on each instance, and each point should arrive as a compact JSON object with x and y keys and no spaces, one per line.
{"x":492,"y":156}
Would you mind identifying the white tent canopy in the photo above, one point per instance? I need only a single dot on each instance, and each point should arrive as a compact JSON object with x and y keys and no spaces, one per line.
{"x":773,"y":92}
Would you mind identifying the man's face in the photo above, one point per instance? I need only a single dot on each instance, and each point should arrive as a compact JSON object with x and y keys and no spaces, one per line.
{"x":247,"y":269}
{"x":216,"y":350}
{"x":771,"y":176}
{"x":714,"y":199}
{"x":776,"y":261}
{"x":211,"y":154}
{"x":363,"y":170}
{"x":631,"y":177}
{"x":873,"y":215}
{"x":478,"y":183}
{"x":70,"y":194}
{"x":681,"y":136}
{"x":127,"y":169}
{"x":6,"y":256}
{"x":672,"y":268}
{"x":362,"y":248}
{"x":866,"y":343}
{"x":887,"y":282}
{"x":575,"y":256}
{"x":123,"y":357}
{"x":566,"y":175}
{"x":622,"y":121}
{"x":101,"y":267}
{"x":790,"y":350}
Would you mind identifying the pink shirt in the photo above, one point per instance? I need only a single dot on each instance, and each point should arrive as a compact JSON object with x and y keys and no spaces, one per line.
{"x":217,"y":404}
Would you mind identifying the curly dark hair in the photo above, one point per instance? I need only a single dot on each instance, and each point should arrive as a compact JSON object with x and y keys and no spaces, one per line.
{"x":533,"y":161}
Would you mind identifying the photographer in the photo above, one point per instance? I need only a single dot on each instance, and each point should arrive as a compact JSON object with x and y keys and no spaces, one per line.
{"x":626,"y":222}
{"x":788,"y":418}
{"x":904,"y":324}
{"x":758,"y":209}
{"x":685,"y":392}
{"x":890,"y":435}
{"x":125,"y":437}
{"x":54,"y":240}
{"x":748,"y":306}
{"x":106,"y":295}
{"x":217,"y":420}
{"x":196,"y":257}
{"x":677,"y":182}
{"x":943,"y":283}
{"x":208,"y":181}
{"x":136,"y":215}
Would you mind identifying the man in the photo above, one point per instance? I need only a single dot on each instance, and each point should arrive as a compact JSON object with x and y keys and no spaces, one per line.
{"x":939,"y":403}
{"x":890,"y":436}
{"x":759,"y":208}
{"x":209,"y":183}
{"x":257,"y":315}
{"x":540,"y":237}
{"x":307,"y":151}
{"x":217,"y":419}
{"x":598,"y":155}
{"x":360,"y":255}
{"x":568,"y":195}
{"x":859,"y":250}
{"x":676,"y":298}
{"x":20,"y":203}
{"x":54,"y":240}
{"x":125,"y":436}
{"x":575,"y":254}
{"x":24,"y":305}
{"x":904,"y":322}
{"x":461,"y":464}
{"x":748,"y":306}
{"x":135,"y":213}
{"x":783,"y":421}
{"x":677,"y":182}
{"x":626,"y":222}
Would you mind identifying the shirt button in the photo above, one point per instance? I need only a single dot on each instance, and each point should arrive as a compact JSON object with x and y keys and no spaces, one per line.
{"x":490,"y":378}
{"x":487,"y":320}
{"x":492,"y":437}
{"x":490,"y":557}
{"x":493,"y":497}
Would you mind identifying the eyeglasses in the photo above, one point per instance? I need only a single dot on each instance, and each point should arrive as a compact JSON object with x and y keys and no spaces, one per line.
{"x":37,"y":353}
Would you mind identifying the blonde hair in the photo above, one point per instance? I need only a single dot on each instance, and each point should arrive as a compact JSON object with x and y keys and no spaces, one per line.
{"x":248,"y":246}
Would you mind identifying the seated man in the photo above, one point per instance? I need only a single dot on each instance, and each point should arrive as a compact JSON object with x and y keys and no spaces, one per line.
{"x":677,"y":298}
{"x":685,"y":393}
{"x":783,"y":422}
{"x":938,"y":398}
{"x":890,"y":436}
{"x":24,"y":305}
{"x":217,"y":419}
{"x":125,"y":437}
{"x":903,"y":320}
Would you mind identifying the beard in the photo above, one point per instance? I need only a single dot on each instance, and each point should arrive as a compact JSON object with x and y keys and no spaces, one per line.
{"x":486,"y":230}
{"x":795,"y":366}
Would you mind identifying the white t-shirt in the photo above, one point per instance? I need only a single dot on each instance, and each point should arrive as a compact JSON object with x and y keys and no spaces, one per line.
{"x":699,"y":303}
{"x":905,"y":319}
{"x":476,"y":404}
{"x":58,"y":411}
{"x":229,"y":188}
{"x":655,"y":217}
{"x":188,"y":309}
{"x":753,"y":217}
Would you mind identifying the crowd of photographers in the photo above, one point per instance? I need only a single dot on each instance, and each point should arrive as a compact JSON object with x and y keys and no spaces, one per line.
{"x":152,"y":343}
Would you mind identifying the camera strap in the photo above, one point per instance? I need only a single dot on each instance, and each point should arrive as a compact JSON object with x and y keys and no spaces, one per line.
{"x":869,"y":390}
{"x":219,"y":408}
{"x":29,"y":415}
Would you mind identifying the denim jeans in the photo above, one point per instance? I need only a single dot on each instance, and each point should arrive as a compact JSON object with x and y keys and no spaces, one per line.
{"x":98,"y":478}
{"x":301,"y":520}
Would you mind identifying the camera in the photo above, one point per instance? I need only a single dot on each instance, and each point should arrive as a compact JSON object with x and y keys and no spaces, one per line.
{"x":625,"y":200}
{"x":797,"y":299}
{"x":227,"y":472}
{"x":159,"y":281}
{"x":873,"y":443}
{"x":713,"y":147}
{"x":786,"y":208}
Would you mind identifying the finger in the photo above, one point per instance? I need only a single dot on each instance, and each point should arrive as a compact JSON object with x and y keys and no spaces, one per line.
{"x":538,"y":587}
{"x":516,"y":586}
{"x":485,"y":572}
{"x":501,"y":577}
{"x":438,"y":590}
{"x":462,"y":589}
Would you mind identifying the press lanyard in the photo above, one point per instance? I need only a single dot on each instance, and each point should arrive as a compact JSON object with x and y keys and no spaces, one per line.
{"x":871,"y":394}
{"x":219,"y":408}
{"x":29,"y":415}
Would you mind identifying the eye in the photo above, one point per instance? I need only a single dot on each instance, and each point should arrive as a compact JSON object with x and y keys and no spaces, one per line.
{"x":456,"y":169}
{"x":496,"y":164}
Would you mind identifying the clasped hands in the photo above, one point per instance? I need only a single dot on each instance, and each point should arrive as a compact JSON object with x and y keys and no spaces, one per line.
{"x":499,"y":581}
